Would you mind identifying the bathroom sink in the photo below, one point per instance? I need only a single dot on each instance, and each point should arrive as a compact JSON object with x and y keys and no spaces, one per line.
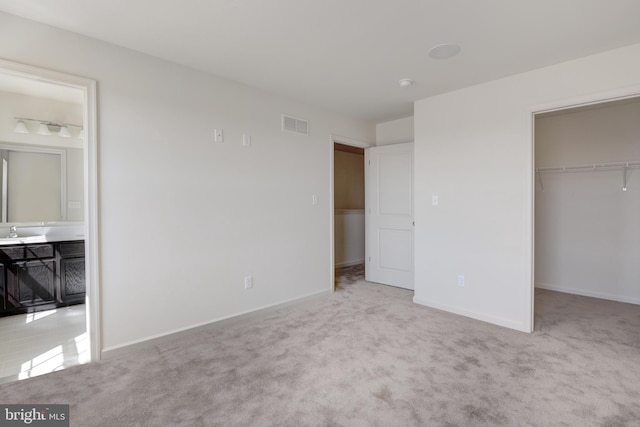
{"x":22,"y":239}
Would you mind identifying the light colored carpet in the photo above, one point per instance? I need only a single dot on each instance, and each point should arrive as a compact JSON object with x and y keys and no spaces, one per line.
{"x":367,"y":356}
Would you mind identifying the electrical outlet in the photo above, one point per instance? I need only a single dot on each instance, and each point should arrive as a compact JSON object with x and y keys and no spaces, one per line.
{"x":248,"y":282}
{"x":461,"y":281}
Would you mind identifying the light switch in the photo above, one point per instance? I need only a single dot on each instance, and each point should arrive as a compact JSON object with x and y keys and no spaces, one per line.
{"x":461,"y":280}
{"x":217,"y":135}
{"x":435,"y":200}
{"x":314,"y":200}
{"x":246,"y":140}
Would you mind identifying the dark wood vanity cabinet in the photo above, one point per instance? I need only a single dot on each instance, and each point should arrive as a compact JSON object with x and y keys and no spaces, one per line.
{"x":31,"y":283}
{"x":30,"y":275}
{"x":37,"y":277}
{"x":72,"y":277}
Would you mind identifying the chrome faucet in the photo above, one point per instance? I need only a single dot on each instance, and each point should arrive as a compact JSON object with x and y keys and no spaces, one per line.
{"x":13,"y":232}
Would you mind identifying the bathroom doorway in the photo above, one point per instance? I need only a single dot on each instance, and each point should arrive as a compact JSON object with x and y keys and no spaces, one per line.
{"x":37,"y":105}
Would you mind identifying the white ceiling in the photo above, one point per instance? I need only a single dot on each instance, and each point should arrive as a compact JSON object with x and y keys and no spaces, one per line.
{"x":348,"y":55}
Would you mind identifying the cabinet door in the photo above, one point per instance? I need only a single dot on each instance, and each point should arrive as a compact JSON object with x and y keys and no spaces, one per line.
{"x":31,"y":283}
{"x":72,"y":279}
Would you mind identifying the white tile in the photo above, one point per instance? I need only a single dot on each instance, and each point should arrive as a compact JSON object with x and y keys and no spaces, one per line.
{"x":39,"y":343}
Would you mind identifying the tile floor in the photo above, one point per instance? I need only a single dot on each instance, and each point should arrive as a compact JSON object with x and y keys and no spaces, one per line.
{"x":38,"y":343}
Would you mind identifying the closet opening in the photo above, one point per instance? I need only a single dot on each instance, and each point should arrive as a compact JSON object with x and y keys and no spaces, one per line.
{"x":587,"y":199}
{"x":349,"y":216}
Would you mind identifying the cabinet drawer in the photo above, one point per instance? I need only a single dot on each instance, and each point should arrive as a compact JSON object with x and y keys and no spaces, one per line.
{"x":71,"y":249}
{"x":26,"y":252}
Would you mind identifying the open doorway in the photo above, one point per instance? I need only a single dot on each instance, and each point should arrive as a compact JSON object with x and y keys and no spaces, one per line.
{"x":49,"y":276}
{"x":587,"y":196}
{"x":349,"y":215}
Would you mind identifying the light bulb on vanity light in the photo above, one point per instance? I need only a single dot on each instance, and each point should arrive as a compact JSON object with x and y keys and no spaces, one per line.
{"x":64,"y":132}
{"x":43,"y":129}
{"x":21,"y":127}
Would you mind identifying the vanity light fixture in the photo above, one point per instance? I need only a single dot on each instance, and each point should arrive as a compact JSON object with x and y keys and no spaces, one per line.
{"x":47,"y":128}
{"x":43,"y":129}
{"x":64,"y":131}
{"x":21,"y":127}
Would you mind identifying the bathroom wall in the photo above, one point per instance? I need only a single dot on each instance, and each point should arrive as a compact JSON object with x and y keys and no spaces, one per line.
{"x":20,"y":105}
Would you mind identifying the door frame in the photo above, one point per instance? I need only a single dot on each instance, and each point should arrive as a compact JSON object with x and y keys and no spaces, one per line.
{"x":332,"y":250}
{"x":562,"y":104}
{"x":90,"y":146}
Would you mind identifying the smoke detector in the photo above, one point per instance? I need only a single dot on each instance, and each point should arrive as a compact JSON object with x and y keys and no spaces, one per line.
{"x":444,"y":51}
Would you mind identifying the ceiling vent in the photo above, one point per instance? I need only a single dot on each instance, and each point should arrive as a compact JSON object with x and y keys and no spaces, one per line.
{"x":292,"y":124}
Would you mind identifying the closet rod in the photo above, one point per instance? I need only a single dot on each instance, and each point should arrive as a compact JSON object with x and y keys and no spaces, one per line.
{"x":592,"y":166}
{"x":595,"y":166}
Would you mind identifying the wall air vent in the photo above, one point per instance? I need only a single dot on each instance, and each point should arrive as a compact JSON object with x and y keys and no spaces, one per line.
{"x":293,"y":124}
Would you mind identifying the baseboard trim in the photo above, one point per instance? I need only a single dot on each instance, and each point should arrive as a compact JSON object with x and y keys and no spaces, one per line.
{"x":585,"y":293}
{"x":118,"y":350}
{"x":350,"y":263}
{"x":518,"y":326}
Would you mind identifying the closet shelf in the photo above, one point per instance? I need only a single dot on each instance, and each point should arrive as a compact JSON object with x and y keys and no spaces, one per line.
{"x":592,"y":167}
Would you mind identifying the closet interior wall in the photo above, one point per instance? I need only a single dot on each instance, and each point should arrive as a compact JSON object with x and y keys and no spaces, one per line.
{"x":587,"y":238}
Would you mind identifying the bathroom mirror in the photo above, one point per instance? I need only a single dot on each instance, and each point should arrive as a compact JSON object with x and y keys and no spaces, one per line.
{"x":41,"y":170}
{"x":34,"y":183}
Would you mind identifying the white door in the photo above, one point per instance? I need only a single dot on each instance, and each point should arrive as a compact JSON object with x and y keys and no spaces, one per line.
{"x":389,"y":210}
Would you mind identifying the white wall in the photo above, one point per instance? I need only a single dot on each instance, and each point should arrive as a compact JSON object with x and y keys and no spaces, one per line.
{"x":395,"y":131}
{"x":75,"y":184}
{"x":587,"y":228}
{"x":473,"y":148}
{"x":184,"y":219}
{"x":349,"y":237}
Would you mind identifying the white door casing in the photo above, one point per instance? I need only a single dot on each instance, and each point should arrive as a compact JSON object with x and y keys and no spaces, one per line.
{"x":389,"y":215}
